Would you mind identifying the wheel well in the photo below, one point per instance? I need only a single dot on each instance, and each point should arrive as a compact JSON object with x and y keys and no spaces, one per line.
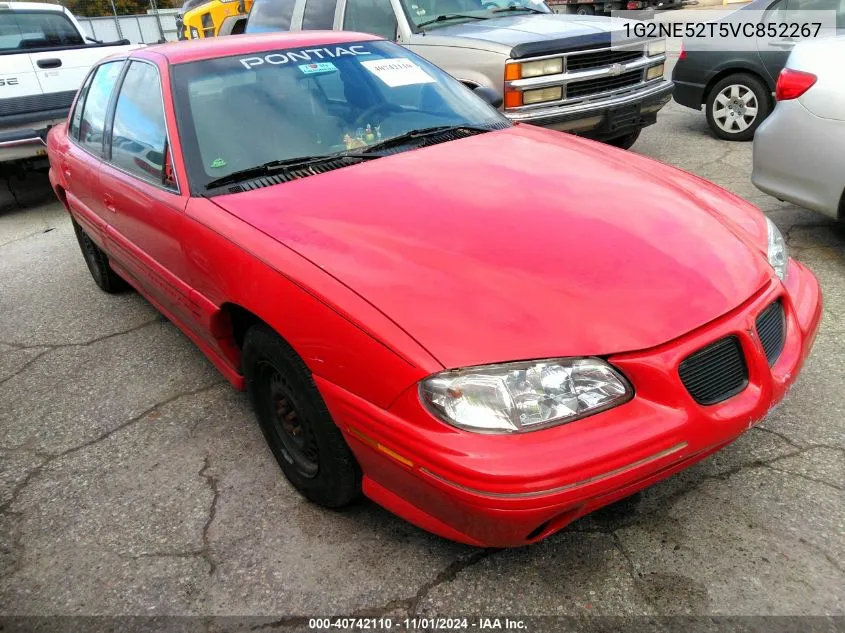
{"x":736,"y":71}
{"x":841,"y":213}
{"x":238,"y":320}
{"x":62,"y":196}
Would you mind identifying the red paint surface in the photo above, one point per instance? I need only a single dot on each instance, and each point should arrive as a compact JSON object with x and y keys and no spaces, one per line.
{"x":522,"y":243}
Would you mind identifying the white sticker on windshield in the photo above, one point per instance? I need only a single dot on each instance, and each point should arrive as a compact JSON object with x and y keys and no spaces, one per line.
{"x":397,"y":72}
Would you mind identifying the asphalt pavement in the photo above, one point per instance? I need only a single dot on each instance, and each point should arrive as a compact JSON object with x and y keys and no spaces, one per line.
{"x":133,"y":480}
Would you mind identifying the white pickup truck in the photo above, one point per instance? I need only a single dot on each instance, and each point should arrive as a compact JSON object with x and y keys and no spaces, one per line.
{"x":44,"y":56}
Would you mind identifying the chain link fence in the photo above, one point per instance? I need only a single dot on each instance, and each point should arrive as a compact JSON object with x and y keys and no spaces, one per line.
{"x":146,"y":28}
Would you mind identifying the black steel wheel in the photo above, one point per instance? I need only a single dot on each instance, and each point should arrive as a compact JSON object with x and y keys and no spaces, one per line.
{"x":305,"y":441}
{"x":98,"y":263}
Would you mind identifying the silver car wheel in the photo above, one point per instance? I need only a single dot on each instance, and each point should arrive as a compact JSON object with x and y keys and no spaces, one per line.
{"x":735,"y":108}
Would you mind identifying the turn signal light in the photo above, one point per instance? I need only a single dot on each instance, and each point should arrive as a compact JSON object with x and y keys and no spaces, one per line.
{"x":793,"y":83}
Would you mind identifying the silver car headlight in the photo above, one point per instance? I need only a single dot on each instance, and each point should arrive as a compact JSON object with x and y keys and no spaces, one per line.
{"x":524,"y":396}
{"x":777,"y":251}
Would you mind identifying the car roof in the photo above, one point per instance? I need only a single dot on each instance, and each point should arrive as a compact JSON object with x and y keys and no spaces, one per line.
{"x":212,"y":47}
{"x":32,"y":6}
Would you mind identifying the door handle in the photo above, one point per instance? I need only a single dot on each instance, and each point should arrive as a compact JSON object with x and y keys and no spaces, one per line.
{"x":108,"y":201}
{"x":52,"y":62}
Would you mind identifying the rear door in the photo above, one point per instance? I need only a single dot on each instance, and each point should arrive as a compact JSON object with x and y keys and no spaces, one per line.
{"x":81,"y":163}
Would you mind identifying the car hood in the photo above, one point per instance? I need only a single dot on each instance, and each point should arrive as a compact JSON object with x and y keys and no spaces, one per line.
{"x":522,"y":243}
{"x":546,"y":33}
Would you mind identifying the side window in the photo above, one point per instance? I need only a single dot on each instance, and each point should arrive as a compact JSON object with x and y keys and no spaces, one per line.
{"x":774,"y":13}
{"x":319,"y":15}
{"x":95,"y":107}
{"x":76,"y":117}
{"x":270,"y":15}
{"x":139,"y":134}
{"x":370,"y":16}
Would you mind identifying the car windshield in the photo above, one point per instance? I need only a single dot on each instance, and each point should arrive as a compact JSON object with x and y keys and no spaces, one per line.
{"x":427,"y":14}
{"x":312,"y":102}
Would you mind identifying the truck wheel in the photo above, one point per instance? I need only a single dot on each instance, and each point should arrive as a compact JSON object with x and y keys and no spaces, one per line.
{"x":625,"y":142}
{"x":296,"y":423}
{"x":736,"y":106}
{"x":585,"y":9}
{"x":98,"y":263}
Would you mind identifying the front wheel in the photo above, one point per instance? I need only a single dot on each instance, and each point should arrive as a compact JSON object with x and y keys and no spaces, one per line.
{"x":296,"y":423}
{"x":736,"y":106}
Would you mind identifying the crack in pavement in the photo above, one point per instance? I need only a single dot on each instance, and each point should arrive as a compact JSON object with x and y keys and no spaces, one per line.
{"x":52,"y":457}
{"x":49,"y":229}
{"x":408,"y":606}
{"x":212,"y":482}
{"x":23,"y":367}
{"x":159,"y":318}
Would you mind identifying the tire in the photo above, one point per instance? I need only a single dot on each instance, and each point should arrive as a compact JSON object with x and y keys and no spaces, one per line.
{"x":585,"y":9}
{"x":297,"y":425}
{"x":98,"y":263}
{"x":729,"y":104}
{"x":625,"y":142}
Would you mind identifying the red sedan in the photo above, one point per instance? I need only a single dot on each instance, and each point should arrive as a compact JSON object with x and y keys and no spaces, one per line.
{"x":491,"y":330}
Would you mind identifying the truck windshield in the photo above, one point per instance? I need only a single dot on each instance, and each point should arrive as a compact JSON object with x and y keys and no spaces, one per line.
{"x":28,"y":30}
{"x":314,"y":102}
{"x":427,"y":14}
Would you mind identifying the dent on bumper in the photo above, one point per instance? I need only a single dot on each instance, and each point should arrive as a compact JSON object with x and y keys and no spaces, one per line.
{"x":494,"y":490}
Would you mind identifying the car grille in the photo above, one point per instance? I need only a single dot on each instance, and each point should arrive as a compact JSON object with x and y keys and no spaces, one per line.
{"x":36,"y":103}
{"x":715,"y":373}
{"x":601,"y":58}
{"x":771,"y":330}
{"x":603,"y":84}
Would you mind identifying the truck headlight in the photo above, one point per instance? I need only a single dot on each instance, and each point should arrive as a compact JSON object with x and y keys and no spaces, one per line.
{"x":654,"y":72}
{"x":539,"y":68}
{"x":554,"y":93}
{"x":524,"y":396}
{"x":777,"y":251}
{"x":656,"y":47}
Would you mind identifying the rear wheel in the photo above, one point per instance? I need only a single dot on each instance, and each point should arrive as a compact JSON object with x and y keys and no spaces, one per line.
{"x":98,"y":263}
{"x":296,"y":423}
{"x":736,"y":106}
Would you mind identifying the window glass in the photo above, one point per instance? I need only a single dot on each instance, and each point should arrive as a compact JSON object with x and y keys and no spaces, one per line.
{"x":139,"y":135}
{"x":370,"y":16}
{"x":96,"y":105}
{"x":312,"y":102}
{"x":319,"y":14}
{"x":24,"y":30}
{"x":838,"y":6}
{"x":76,"y":118}
{"x":424,"y":14}
{"x":270,"y":15}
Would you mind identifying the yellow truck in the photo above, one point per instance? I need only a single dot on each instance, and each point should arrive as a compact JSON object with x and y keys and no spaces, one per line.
{"x":210,"y":18}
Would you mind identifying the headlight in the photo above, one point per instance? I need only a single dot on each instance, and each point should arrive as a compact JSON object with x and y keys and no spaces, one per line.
{"x":539,"y":68}
{"x":657,"y":47}
{"x":654,"y":72}
{"x":778,"y":253}
{"x":555,"y":93}
{"x":524,"y":396}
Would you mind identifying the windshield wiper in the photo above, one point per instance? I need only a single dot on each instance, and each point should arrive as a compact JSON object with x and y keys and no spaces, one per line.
{"x":513,"y":7}
{"x":278,"y":165}
{"x":451,"y":16}
{"x":412,"y":135}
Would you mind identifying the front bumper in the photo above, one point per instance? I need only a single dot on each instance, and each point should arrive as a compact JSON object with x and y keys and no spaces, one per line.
{"x":512,"y":490}
{"x":605,"y":118}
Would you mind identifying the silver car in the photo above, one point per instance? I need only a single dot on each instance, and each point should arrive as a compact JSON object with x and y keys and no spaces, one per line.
{"x":799,"y":151}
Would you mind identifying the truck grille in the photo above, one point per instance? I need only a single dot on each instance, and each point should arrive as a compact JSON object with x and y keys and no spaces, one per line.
{"x":36,"y":103}
{"x":716,"y":372}
{"x":603,"y":84}
{"x":597,"y":59}
{"x":770,"y":329}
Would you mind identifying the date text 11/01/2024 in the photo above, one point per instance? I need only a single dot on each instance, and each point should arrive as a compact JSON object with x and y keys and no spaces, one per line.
{"x":417,"y":624}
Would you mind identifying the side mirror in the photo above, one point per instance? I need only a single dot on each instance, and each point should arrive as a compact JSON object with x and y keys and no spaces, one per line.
{"x":490,"y":95}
